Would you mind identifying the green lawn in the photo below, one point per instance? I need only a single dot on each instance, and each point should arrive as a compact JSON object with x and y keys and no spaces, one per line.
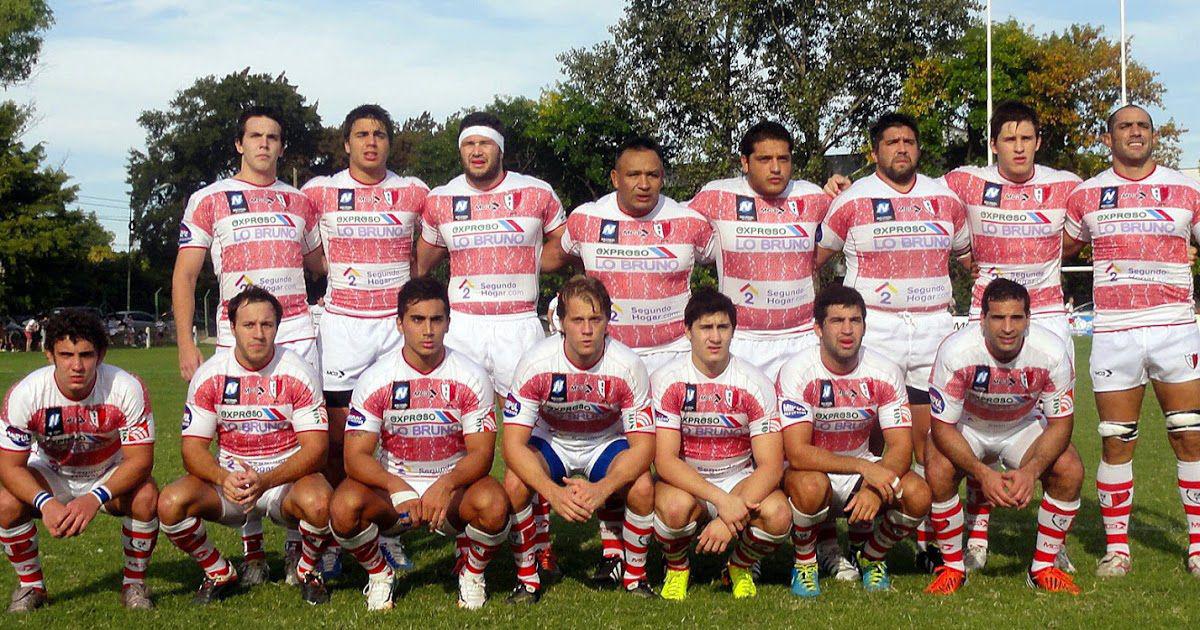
{"x":84,"y":574}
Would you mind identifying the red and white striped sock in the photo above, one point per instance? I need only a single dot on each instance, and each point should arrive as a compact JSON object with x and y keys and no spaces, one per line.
{"x":976,"y":514}
{"x":541,"y":522}
{"x":364,"y":547}
{"x":947,"y":519}
{"x":138,"y":539}
{"x":805,"y":530}
{"x":313,"y":541}
{"x":675,"y":543}
{"x":610,"y":530}
{"x":252,"y":541}
{"x":191,"y":538}
{"x":520,"y":537}
{"x":635,"y":534}
{"x":752,"y":545}
{"x":893,"y":527}
{"x":1114,"y":486}
{"x":860,"y":533}
{"x":21,"y":546}
{"x":483,"y":547}
{"x":1188,"y":474}
{"x":1054,"y":521}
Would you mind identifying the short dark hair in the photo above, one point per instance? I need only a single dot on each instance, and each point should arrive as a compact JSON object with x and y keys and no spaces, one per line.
{"x":259,"y":110}
{"x":77,"y":325}
{"x":419,"y":290}
{"x":837,"y":295}
{"x":1002,"y":290}
{"x":765,"y":130}
{"x":372,"y":112}
{"x":640,"y":143}
{"x":485,"y":119}
{"x":889,"y":120}
{"x":1112,"y":118}
{"x":585,"y":287}
{"x":252,"y":294}
{"x":1013,"y":112}
{"x":707,"y":301}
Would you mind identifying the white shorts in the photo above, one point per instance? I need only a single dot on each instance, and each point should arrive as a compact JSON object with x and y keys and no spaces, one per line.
{"x":1126,"y":359}
{"x":908,"y":339}
{"x":350,"y":345}
{"x":566,"y":458}
{"x":726,"y":483}
{"x":420,"y":485}
{"x":1006,"y":447}
{"x":769,"y":355}
{"x":65,"y":488}
{"x":270,"y":504}
{"x":494,"y":341}
{"x":844,"y":487}
{"x":308,"y":349}
{"x":655,"y":357}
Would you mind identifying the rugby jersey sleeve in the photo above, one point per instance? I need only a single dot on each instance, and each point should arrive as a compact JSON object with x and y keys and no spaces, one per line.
{"x":637,"y":410}
{"x":553,"y":214}
{"x":200,"y":409}
{"x":14,"y":420}
{"x":574,"y":232}
{"x":526,"y":396}
{"x":430,"y":231}
{"x":1058,"y":396}
{"x":960,"y":244}
{"x":478,"y":412}
{"x":307,"y":209}
{"x":789,"y":393}
{"x":196,"y":227}
{"x":369,"y":400}
{"x":667,"y":399}
{"x":894,"y":412}
{"x":835,"y":228}
{"x":139,"y":416}
{"x":1074,"y":224}
{"x":947,"y":389}
{"x":762,"y":410}
{"x":308,"y":404}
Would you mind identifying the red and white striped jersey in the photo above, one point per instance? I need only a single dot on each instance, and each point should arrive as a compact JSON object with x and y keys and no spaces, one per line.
{"x":77,"y":438}
{"x":898,"y":245}
{"x":1016,"y":230}
{"x":581,"y":406}
{"x":644,"y":262}
{"x":1139,"y":231}
{"x":254,"y":414}
{"x":495,"y":240}
{"x":422,"y":417}
{"x":843,"y":408}
{"x":717,"y":418}
{"x":367,"y":230}
{"x":256,"y":235}
{"x":765,"y":252}
{"x":969,"y":385}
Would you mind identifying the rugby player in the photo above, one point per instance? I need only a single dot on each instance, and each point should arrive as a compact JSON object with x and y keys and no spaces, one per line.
{"x":421,"y":436}
{"x":832,"y":396}
{"x":1139,"y":217}
{"x":1003,"y":389}
{"x":263,"y":404}
{"x":718,"y":452}
{"x":765,"y":225}
{"x":580,"y":405}
{"x":93,"y":429}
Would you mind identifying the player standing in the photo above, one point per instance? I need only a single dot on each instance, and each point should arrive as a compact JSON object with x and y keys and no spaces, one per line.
{"x":832,"y":396}
{"x":263,"y":405}
{"x":719,"y":455}
{"x":1138,"y":216}
{"x":765,"y":225}
{"x":421,"y":437}
{"x":1003,"y":389}
{"x":94,"y":431}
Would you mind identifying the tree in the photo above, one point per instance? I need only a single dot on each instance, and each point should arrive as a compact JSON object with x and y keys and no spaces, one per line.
{"x":190,"y":145}
{"x":22,"y":23}
{"x":1072,"y":78}
{"x":698,"y":72}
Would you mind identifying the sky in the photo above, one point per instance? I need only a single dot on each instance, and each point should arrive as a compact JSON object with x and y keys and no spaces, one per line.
{"x":106,"y":61}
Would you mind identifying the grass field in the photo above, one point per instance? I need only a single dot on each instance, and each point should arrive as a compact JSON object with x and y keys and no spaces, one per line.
{"x":83,"y":574}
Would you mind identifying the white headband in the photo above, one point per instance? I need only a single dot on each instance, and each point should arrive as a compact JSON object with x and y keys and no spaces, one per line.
{"x":482,"y":130}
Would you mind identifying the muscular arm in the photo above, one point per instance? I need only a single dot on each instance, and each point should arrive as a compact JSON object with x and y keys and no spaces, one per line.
{"x":1071,"y":247}
{"x":897,"y":450}
{"x":137,"y":460}
{"x":428,"y":257}
{"x":553,"y":256}
{"x":523,"y":462}
{"x":306,"y":461}
{"x":673,"y":470}
{"x":16,"y":477}
{"x":316,"y":264}
{"x":823,"y":256}
{"x":481,"y":450}
{"x":1048,"y":446}
{"x":199,"y":461}
{"x":631,"y":464}
{"x":954,"y":446}
{"x":768,"y":467}
{"x":363,"y":467}
{"x":188,"y":263}
{"x":803,"y":455}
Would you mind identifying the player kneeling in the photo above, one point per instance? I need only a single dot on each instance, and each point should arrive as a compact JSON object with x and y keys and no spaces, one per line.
{"x":264,"y":406}
{"x":831,"y":397}
{"x":719,"y":453}
{"x":1003,"y":390}
{"x":95,"y":448}
{"x":420,"y":439}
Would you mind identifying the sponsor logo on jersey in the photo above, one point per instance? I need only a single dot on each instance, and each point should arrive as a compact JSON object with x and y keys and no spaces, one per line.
{"x":609,"y":231}
{"x":793,"y":410}
{"x":558,"y":388}
{"x":826,"y":397}
{"x":992,"y":193}
{"x":661,"y":418}
{"x":237,"y":202}
{"x":662,"y":229}
{"x":745,"y":209}
{"x":400,"y":394}
{"x":983,"y":377}
{"x":232,"y":392}
{"x":512,"y":407}
{"x":937,"y":403}
{"x":345,"y":199}
{"x":54,"y":422}
{"x":185,"y":234}
{"x":1108,"y":197}
{"x":187,"y":417}
{"x":355,"y":419}
{"x":689,"y":397}
{"x":461,"y":208}
{"x":18,"y":437}
{"x":883,"y":210}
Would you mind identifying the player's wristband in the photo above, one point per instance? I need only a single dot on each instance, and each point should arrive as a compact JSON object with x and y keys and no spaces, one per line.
{"x":41,"y":499}
{"x":403,"y":496}
{"x":102,"y":493}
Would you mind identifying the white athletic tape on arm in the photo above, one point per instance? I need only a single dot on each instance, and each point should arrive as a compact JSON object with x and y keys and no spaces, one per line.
{"x":482,"y":130}
{"x":403,"y":497}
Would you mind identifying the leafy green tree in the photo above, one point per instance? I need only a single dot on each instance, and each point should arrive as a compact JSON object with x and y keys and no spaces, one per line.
{"x":22,"y":23}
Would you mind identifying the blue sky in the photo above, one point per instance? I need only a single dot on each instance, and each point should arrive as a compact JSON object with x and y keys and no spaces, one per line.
{"x":105,"y":61}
